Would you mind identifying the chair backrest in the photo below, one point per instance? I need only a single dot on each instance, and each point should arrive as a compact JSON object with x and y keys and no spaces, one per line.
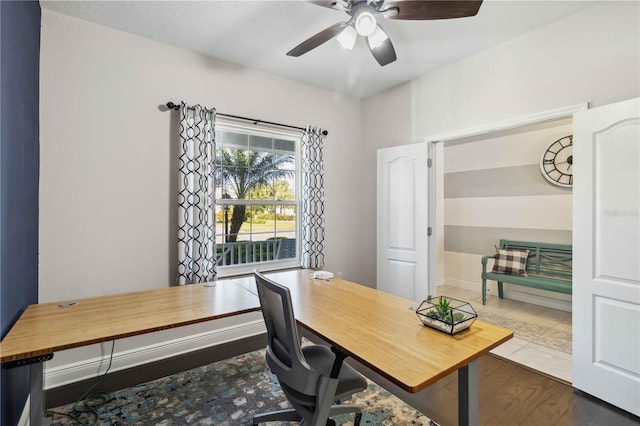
{"x":284,"y":354}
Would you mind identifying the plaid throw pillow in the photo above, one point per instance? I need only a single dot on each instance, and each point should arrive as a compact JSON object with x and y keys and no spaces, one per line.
{"x":512,"y":262}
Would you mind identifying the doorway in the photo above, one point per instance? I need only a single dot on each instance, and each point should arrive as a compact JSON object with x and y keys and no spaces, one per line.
{"x":487,"y":187}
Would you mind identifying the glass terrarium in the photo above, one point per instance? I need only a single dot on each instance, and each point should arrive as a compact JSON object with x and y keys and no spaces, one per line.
{"x":446,"y":314}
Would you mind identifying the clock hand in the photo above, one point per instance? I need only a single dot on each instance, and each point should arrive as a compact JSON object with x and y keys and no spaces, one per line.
{"x":569,"y":164}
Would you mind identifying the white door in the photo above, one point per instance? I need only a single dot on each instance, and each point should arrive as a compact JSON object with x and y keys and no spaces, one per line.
{"x":402,"y":246}
{"x":606,"y":245}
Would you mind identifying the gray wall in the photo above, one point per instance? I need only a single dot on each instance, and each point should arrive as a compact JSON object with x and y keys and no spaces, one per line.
{"x":493,"y":189}
{"x":503,"y":168}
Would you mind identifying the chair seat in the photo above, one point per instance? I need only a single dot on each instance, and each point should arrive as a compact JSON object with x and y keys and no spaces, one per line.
{"x":321,"y":359}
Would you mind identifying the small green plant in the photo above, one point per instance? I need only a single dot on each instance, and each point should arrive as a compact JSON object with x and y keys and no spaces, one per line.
{"x":443,"y":307}
{"x":444,"y":312}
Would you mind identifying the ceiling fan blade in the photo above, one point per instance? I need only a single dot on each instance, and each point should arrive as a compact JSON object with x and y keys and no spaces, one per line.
{"x":432,"y":9}
{"x":316,"y":40}
{"x":384,"y":53}
{"x":331,"y":4}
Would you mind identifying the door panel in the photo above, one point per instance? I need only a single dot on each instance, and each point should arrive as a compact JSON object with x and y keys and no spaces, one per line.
{"x":617,"y":225}
{"x":606,"y":245}
{"x":400,"y":187}
{"x":615,"y":347}
{"x":402,"y":272}
{"x":402,"y":221}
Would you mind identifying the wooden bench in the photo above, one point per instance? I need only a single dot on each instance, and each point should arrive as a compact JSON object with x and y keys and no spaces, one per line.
{"x":548,"y":268}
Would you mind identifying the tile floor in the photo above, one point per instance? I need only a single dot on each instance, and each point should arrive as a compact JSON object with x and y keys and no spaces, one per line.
{"x":542,"y":336}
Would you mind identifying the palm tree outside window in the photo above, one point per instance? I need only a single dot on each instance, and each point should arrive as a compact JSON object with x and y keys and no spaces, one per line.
{"x":257,"y":200}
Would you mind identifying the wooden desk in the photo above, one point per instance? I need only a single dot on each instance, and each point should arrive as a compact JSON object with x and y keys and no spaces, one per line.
{"x":373,"y":327}
{"x":379,"y":330}
{"x":46,"y":328}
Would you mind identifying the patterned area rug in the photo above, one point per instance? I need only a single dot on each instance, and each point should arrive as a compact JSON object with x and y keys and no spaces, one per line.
{"x":530,"y":331}
{"x":228,"y":393}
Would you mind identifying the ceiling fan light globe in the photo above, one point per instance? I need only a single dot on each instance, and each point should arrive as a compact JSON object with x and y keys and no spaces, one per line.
{"x":347,"y":38}
{"x":377,"y":37}
{"x":366,"y":23}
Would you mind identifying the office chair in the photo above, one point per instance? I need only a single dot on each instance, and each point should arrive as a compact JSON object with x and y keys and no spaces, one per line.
{"x":312,"y":377}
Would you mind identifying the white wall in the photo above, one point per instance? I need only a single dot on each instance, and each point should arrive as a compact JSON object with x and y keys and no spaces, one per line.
{"x":592,"y":56}
{"x":386,"y":121}
{"x":107,"y":171}
{"x":107,"y":207}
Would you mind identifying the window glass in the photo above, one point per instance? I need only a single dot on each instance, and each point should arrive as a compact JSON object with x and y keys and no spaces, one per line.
{"x":261,"y":143}
{"x":256,"y":199}
{"x":284,"y":146}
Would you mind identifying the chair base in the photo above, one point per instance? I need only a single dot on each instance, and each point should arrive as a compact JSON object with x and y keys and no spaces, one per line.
{"x":292,"y":415}
{"x":289,"y":415}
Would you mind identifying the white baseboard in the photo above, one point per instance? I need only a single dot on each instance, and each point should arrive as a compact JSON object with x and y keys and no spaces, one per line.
{"x":536,"y":299}
{"x":521,"y":294}
{"x":492,"y":287}
{"x":86,"y":369}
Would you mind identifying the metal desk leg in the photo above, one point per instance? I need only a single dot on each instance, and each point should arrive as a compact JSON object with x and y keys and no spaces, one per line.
{"x":36,"y":397}
{"x":468,"y":394}
{"x":36,"y":408}
{"x":36,"y":379}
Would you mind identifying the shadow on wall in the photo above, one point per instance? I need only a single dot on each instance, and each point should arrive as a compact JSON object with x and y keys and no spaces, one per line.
{"x":172,"y":226}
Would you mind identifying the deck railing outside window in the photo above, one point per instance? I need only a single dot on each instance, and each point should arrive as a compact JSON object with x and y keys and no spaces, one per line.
{"x":243,"y":252}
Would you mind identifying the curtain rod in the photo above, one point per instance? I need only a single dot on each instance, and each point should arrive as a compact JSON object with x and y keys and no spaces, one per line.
{"x":176,"y":107}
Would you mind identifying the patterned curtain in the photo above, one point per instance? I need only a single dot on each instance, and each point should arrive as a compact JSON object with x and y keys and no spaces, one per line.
{"x":196,"y":196}
{"x":312,"y":168}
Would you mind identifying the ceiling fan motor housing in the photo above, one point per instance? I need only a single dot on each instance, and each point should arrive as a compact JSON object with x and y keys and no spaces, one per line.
{"x":365,"y":22}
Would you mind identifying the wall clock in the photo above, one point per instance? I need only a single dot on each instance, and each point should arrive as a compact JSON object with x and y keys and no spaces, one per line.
{"x":556,"y":163}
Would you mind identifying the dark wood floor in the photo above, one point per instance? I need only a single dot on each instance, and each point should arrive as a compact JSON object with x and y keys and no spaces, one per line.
{"x":509,"y":394}
{"x":512,"y":395}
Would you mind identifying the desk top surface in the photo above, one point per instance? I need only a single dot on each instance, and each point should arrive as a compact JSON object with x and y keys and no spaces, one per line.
{"x":379,"y":330}
{"x":46,"y":328}
{"x":374,"y":327}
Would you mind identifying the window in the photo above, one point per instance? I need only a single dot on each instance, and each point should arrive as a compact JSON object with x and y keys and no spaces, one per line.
{"x":257,"y":199}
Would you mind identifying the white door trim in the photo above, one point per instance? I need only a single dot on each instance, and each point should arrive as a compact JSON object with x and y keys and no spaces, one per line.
{"x":436,"y":189}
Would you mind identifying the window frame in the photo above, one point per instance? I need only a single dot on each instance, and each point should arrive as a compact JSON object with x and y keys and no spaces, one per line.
{"x":231,"y":125}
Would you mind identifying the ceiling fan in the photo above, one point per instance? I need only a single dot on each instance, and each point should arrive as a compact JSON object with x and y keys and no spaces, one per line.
{"x":363,"y":21}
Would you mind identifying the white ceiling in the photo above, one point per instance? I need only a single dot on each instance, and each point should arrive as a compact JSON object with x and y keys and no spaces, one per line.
{"x":257,"y":34}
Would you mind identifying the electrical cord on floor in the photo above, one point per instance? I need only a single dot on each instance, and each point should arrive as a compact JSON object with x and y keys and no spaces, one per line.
{"x":90,"y":401}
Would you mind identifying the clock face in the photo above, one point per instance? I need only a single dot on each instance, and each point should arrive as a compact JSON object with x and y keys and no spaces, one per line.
{"x":556,"y":163}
